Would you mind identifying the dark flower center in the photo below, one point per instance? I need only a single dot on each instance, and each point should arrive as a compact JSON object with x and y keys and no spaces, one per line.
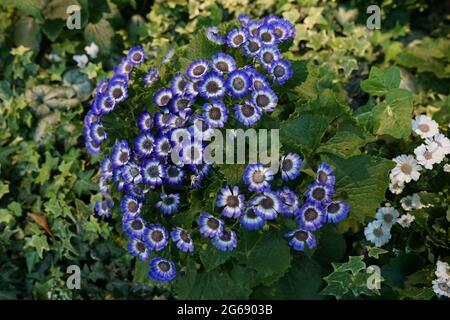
{"x":301,"y":235}
{"x":258,"y":177}
{"x":136,"y":225}
{"x":248,"y":110}
{"x":199,"y":70}
{"x":164,"y":266}
{"x":323,"y":177}
{"x":268,"y":57}
{"x":311,"y":214}
{"x":222,"y":66}
{"x":213,"y":223}
{"x":157,"y":236}
{"x":378,"y":232}
{"x":212,"y":87}
{"x":388,"y":217}
{"x":132,"y":206}
{"x":165,"y":100}
{"x":123,"y":157}
{"x":140,"y":246}
{"x":287,"y":164}
{"x":262,"y":100}
{"x":279,"y":32}
{"x":148,"y":122}
{"x":253,"y":46}
{"x":104,"y":205}
{"x":267,"y":203}
{"x":226,"y":235}
{"x":169,"y":201}
{"x":233,"y":201}
{"x":100,"y":131}
{"x":266,"y":37}
{"x":172,"y":171}
{"x":165,"y":146}
{"x":333,"y":207}
{"x":251,"y":213}
{"x":318,"y":193}
{"x":182,"y":104}
{"x":148,"y":144}
{"x":117,"y":93}
{"x":185,"y":236}
{"x":153,"y":171}
{"x":128,"y":67}
{"x":137,"y":56}
{"x":215,"y":113}
{"x":238,"y":83}
{"x":258,"y":84}
{"x":279,"y":71}
{"x":237,"y":40}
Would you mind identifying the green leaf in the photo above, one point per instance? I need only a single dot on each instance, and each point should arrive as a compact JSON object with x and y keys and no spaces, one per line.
{"x":57,"y":9}
{"x":27,"y":33}
{"x":355,"y":264}
{"x":393,"y":115}
{"x":198,"y":48}
{"x":381,"y":81}
{"x":398,"y":268}
{"x":30,"y":7}
{"x":212,"y":258}
{"x":232,"y":173}
{"x":101,"y":33}
{"x":140,"y":274}
{"x":45,"y":170}
{"x":84,"y":184}
{"x":39,"y":242}
{"x":53,"y":28}
{"x":4,"y":188}
{"x":361,"y":181}
{"x":305,"y":132}
{"x":374,"y":252}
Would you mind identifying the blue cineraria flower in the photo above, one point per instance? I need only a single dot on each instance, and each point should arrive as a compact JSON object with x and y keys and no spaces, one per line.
{"x":232,"y":201}
{"x":131,"y":173}
{"x":267,"y":55}
{"x":259,"y":81}
{"x":136,"y":55}
{"x":145,"y":121}
{"x":253,"y":26}
{"x":202,"y":169}
{"x":153,"y":172}
{"x":289,"y":201}
{"x":130,"y":206}
{"x":280,"y":70}
{"x":192,"y":89}
{"x":250,"y":220}
{"x":121,"y":154}
{"x":311,"y":216}
{"x":162,"y":97}
{"x":212,"y":86}
{"x":134,"y":227}
{"x":336,"y":211}
{"x":197,"y":69}
{"x":319,"y":192}
{"x":301,"y":239}
{"x":162,"y":146}
{"x":266,"y":205}
{"x":162,"y":270}
{"x":120,"y":78}
{"x":178,"y":84}
{"x":163,"y":120}
{"x":169,"y":203}
{"x":182,"y":239}
{"x":192,"y":153}
{"x":238,"y":83}
{"x":257,"y":177}
{"x":104,"y":104}
{"x":265,"y":98}
{"x":283,"y":29}
{"x":243,"y":19}
{"x":138,"y":249}
{"x":237,"y":37}
{"x":90,"y":118}
{"x":324,"y":174}
{"x":271,"y":19}
{"x":225,"y":241}
{"x":209,"y":226}
{"x":168,"y":56}
{"x":290,"y":166}
{"x":152,"y":76}
{"x":117,"y":91}
{"x":136,"y":191}
{"x":101,"y":87}
{"x":156,"y":237}
{"x":215,"y":114}
{"x":106,"y":168}
{"x":180,"y":103}
{"x":213,"y":35}
{"x":223,"y":63}
{"x":143,"y":145}
{"x":267,"y":35}
{"x":252,"y":46}
{"x":98,"y":132}
{"x":180,"y":136}
{"x":124,"y":68}
{"x":103,"y":208}
{"x":103,"y":184}
{"x":247,"y":113}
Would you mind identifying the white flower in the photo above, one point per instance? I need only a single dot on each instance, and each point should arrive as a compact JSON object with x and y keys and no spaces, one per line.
{"x":442,"y":141}
{"x":92,"y":50}
{"x":81,"y":60}
{"x":429,"y":154}
{"x":406,"y":220}
{"x":425,"y":127}
{"x":411,"y":202}
{"x":442,"y":270}
{"x":447,"y":168}
{"x":54,"y":57}
{"x":395,"y":187}
{"x":407,"y":169}
{"x":387,"y":215}
{"x":441,"y":287}
{"x":377,"y":233}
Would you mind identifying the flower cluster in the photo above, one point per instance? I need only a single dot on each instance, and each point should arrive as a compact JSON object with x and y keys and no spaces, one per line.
{"x":259,"y":40}
{"x":432,"y":151}
{"x":441,"y":285}
{"x":168,"y":153}
{"x":379,"y":231}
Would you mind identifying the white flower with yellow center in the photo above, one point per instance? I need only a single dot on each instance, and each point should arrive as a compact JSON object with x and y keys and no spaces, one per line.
{"x":407,"y":169}
{"x":429,"y":154}
{"x":425,"y":127}
{"x":442,"y":270}
{"x":411,"y":202}
{"x":405,"y":220}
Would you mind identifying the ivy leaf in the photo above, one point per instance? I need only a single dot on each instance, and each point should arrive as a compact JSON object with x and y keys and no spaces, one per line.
{"x":4,"y":188}
{"x":45,"y":170}
{"x":212,"y":258}
{"x":381,"y":81}
{"x":361,"y":181}
{"x":39,"y":242}
{"x":393,"y":115}
{"x":355,"y":264}
{"x":374,"y":252}
{"x":84,"y":184}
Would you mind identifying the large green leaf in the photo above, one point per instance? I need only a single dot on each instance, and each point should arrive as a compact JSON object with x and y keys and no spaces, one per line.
{"x":361,"y":181}
{"x":27,"y":33}
{"x":212,"y":258}
{"x":101,"y":33}
{"x":381,"y":81}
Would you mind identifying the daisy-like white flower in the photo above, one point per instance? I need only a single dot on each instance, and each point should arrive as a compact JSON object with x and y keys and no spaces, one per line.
{"x":257,"y":177}
{"x":411,"y":202}
{"x":429,"y":154}
{"x":442,"y":270}
{"x":92,"y":50}
{"x":405,"y":220}
{"x":232,"y":201}
{"x":396,"y":187}
{"x":290,"y":166}
{"x":441,"y":287}
{"x":387,"y":215}
{"x":377,"y":233}
{"x":81,"y":60}
{"x":407,"y":169}
{"x":442,"y":141}
{"x":425,"y":127}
